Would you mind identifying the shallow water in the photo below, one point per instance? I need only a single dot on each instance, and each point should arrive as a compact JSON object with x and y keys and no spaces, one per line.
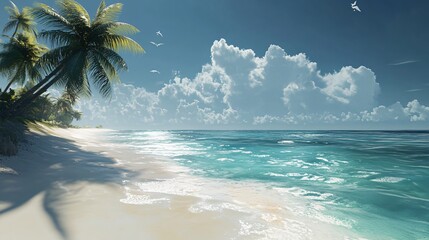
{"x":373,"y":183}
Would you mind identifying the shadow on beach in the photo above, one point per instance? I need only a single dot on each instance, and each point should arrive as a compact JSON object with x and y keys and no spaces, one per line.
{"x":47,"y":167}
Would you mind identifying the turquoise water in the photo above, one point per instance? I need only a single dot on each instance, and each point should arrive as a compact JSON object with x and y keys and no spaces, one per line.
{"x":375,"y":182}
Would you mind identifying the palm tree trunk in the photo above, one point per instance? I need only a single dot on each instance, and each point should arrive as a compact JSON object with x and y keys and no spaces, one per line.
{"x":25,"y":100}
{"x":28,"y":97}
{"x":41,"y":91}
{"x":30,"y":92}
{"x":16,"y":30}
{"x":24,"y":103}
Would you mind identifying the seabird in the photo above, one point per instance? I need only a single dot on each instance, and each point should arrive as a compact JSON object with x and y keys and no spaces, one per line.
{"x":355,"y":7}
{"x":157,"y":44}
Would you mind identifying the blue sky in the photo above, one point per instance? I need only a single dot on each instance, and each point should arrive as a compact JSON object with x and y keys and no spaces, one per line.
{"x":389,"y":38}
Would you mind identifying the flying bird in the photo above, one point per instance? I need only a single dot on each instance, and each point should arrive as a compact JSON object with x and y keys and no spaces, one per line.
{"x":157,"y":44}
{"x":155,"y":71}
{"x":159,"y":34}
{"x":355,"y":7}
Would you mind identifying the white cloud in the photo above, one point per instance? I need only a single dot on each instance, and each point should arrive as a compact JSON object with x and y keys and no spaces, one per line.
{"x":416,"y":111}
{"x":355,"y":88}
{"x":395,"y":112}
{"x":239,"y":89}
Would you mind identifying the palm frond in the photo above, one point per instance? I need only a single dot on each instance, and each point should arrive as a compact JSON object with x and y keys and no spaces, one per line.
{"x":109,"y":65}
{"x":50,"y":17}
{"x":123,"y":28}
{"x":108,"y":14}
{"x":74,"y":12}
{"x":100,"y":9}
{"x":33,"y":74}
{"x":27,"y":13}
{"x":13,"y":10}
{"x":102,"y":79}
{"x":58,"y":37}
{"x":74,"y":77}
{"x":118,"y":28}
{"x":118,"y":42}
{"x":50,"y":60}
{"x":10,"y":58}
{"x":7,"y":66}
{"x":113,"y":57}
{"x":18,"y":75}
{"x":10,"y":25}
{"x":27,"y":18}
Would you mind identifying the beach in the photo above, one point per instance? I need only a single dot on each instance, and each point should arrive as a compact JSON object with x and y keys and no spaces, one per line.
{"x":203,"y":130}
{"x":70,"y":184}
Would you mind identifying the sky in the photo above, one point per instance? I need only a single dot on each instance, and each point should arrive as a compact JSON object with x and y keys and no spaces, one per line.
{"x":270,"y":64}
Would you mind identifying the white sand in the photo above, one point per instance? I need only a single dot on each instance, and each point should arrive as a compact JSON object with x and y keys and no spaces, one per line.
{"x":70,"y":184}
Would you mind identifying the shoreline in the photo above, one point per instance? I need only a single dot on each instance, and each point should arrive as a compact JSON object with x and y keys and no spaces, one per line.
{"x":73,"y":184}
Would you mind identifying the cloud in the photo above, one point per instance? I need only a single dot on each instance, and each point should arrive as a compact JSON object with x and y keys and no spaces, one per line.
{"x":238,"y":89}
{"x":415,"y":90}
{"x":280,"y":82}
{"x":403,"y":62}
{"x":416,"y":111}
{"x":395,"y":113}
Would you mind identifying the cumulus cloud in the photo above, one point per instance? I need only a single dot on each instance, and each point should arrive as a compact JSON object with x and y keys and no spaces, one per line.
{"x":416,"y":111}
{"x":238,"y":88}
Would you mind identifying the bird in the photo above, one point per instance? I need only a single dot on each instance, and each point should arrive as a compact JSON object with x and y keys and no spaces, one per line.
{"x":154,"y":71}
{"x":355,"y":7}
{"x":159,"y":34}
{"x":157,"y":44}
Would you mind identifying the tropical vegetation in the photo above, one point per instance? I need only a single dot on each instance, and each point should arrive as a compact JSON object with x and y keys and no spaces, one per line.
{"x":83,"y":56}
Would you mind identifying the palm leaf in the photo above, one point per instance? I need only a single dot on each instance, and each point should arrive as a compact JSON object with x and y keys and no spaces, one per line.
{"x":75,"y":78}
{"x":50,"y":60}
{"x":34,"y":74}
{"x":74,"y":12}
{"x":100,"y":9}
{"x":108,"y":67}
{"x":58,"y":37}
{"x":19,"y":75}
{"x":113,"y":57}
{"x":101,"y":78}
{"x":51,"y":17}
{"x":13,"y":10}
{"x":27,"y":18}
{"x":114,"y":28}
{"x":118,"y":42}
{"x":108,"y":14}
{"x":10,"y":25}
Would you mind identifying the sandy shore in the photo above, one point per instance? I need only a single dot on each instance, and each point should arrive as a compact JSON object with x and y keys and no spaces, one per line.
{"x":70,"y":184}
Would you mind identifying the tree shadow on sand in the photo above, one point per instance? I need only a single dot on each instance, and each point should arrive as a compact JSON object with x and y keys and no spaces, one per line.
{"x":59,"y":163}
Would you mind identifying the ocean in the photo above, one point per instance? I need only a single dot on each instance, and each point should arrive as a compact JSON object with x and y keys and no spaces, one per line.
{"x":368,"y":184}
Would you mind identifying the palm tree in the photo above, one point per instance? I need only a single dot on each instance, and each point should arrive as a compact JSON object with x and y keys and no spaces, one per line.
{"x":19,"y":20}
{"x":84,"y":49}
{"x":19,"y":57}
{"x":64,"y":112}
